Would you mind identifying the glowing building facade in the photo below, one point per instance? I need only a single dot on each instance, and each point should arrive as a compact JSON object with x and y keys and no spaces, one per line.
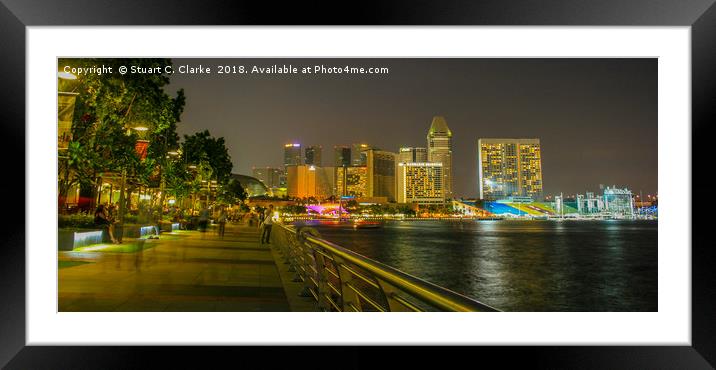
{"x":420,"y":183}
{"x":509,"y":167}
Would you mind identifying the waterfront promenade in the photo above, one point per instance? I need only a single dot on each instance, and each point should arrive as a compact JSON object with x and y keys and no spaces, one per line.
{"x":182,"y":271}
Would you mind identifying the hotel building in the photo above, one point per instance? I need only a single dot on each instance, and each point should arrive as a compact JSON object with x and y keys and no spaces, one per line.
{"x":509,"y":168}
{"x":420,"y":183}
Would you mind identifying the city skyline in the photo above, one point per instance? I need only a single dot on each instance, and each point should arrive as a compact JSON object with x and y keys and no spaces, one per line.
{"x":596,"y":118}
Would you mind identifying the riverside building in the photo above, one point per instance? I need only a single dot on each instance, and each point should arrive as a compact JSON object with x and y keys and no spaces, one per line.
{"x":509,"y":167}
{"x":305,"y":181}
{"x":420,"y":183}
{"x":380,"y":166}
{"x":352,"y":181}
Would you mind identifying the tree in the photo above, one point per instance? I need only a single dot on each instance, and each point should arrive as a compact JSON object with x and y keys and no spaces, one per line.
{"x":232,"y":193}
{"x":107,"y":107}
{"x":201,"y":146}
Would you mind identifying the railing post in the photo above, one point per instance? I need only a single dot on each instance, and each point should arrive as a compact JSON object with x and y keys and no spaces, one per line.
{"x":389,"y":292}
{"x":349,"y":298}
{"x":323,"y":290}
{"x":309,"y":265}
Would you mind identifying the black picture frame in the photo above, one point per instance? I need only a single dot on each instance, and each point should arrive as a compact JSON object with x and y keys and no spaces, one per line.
{"x":16,"y":15}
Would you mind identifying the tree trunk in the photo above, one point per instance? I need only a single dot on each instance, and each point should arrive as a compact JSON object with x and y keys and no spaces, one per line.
{"x":122,"y":204}
{"x":64,"y":187}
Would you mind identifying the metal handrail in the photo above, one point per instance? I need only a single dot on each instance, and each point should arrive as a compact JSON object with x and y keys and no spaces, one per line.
{"x":308,"y":253}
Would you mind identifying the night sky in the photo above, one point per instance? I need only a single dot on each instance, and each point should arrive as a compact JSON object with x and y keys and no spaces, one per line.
{"x":596,"y":118}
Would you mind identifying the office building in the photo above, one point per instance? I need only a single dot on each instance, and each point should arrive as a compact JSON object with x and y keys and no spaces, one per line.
{"x":313,"y":155}
{"x":292,"y":155}
{"x":352,"y":181}
{"x":381,"y":173}
{"x":305,"y":181}
{"x":270,"y":176}
{"x":420,"y":183}
{"x":509,"y":167}
{"x":342,"y":155}
{"x":440,"y":151}
{"x":412,"y":155}
{"x":358,"y":156}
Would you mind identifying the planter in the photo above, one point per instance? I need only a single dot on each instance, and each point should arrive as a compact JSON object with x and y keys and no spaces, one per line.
{"x":135,"y":231}
{"x":170,"y":226}
{"x":69,"y":239}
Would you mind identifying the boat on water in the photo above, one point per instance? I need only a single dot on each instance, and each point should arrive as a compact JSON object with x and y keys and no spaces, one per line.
{"x":348,"y":223}
{"x":365,"y":224}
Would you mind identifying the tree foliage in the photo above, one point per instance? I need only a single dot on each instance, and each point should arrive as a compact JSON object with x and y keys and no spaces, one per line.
{"x":202,"y":147}
{"x":107,"y":107}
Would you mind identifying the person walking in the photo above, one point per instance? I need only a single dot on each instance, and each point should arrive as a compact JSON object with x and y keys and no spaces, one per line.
{"x":222,"y":223}
{"x":267,"y":223}
{"x":203,"y":221}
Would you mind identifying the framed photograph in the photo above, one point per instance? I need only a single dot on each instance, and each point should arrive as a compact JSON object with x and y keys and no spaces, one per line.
{"x":471,"y":175}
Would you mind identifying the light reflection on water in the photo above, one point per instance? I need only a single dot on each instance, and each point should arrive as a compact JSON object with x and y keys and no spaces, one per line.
{"x":523,"y":265}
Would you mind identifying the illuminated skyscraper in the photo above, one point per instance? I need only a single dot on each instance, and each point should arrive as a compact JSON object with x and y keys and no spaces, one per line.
{"x":342,"y":155}
{"x":440,"y":151}
{"x":313,"y":155}
{"x":381,"y":173}
{"x":408,"y":155}
{"x":420,"y":183}
{"x":509,"y":167}
{"x":292,"y":155}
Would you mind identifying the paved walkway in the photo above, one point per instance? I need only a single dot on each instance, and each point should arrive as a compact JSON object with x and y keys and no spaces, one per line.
{"x":189,"y":271}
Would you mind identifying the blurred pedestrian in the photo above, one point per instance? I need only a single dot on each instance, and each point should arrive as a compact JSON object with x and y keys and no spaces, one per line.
{"x":267,"y":224}
{"x":222,"y":223}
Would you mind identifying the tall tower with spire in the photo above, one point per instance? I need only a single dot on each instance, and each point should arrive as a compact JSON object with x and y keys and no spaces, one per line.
{"x":440,"y":151}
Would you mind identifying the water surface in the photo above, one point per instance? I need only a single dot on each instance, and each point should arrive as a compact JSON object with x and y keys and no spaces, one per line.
{"x":522,"y":265}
